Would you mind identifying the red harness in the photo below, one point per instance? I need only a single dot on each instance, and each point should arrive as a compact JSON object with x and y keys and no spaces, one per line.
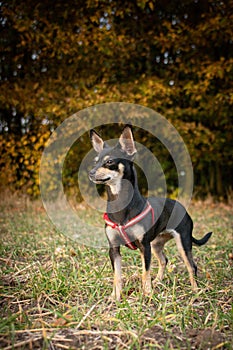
{"x":121,"y":228}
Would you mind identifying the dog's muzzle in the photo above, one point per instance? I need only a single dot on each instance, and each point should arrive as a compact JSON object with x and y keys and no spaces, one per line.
{"x":97,"y":180}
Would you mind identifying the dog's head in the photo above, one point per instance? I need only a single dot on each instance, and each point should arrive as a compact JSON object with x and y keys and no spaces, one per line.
{"x":112,"y":163}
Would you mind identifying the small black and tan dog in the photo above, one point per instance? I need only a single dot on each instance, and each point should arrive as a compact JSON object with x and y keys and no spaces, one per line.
{"x":135,"y":221}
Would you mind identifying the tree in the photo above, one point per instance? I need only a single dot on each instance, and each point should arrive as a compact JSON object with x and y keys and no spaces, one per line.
{"x":58,"y":58}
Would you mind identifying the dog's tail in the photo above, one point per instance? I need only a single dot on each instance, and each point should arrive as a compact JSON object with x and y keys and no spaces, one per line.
{"x":202,"y":240}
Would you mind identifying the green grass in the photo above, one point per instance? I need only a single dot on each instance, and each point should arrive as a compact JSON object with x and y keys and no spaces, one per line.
{"x":55,"y":293}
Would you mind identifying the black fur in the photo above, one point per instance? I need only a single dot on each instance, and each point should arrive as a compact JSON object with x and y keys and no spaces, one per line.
{"x":171,"y":218}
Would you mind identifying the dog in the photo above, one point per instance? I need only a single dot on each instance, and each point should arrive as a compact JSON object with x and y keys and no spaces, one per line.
{"x":137,"y":222}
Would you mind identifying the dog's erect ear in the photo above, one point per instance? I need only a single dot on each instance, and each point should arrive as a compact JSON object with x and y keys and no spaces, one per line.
{"x":97,"y":142}
{"x":127,"y":142}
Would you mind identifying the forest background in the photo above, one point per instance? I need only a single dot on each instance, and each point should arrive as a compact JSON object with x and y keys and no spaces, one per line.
{"x":58,"y":58}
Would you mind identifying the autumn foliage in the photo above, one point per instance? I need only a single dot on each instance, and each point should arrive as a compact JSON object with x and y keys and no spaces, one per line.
{"x":60,"y":57}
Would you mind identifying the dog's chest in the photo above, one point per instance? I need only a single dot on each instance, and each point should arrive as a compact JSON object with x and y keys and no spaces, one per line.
{"x":135,"y":232}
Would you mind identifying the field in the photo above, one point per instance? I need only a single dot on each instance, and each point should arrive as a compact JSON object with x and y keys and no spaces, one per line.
{"x":55,"y":293}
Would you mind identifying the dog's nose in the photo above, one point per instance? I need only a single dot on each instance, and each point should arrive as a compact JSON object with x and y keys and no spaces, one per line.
{"x":92,"y":173}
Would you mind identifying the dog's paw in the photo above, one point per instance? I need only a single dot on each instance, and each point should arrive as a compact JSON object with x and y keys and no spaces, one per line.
{"x":115,"y":296}
{"x":147,"y":288}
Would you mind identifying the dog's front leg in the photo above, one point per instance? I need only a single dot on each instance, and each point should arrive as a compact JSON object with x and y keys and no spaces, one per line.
{"x":145,"y":250}
{"x":115,"y":256}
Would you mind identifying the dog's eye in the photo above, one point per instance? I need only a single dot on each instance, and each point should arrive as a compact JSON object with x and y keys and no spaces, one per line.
{"x":109,"y":162}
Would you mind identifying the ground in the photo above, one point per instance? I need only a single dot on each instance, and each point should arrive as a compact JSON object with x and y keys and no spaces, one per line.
{"x":55,"y":292}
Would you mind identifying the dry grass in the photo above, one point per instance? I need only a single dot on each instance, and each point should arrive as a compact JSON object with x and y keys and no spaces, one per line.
{"x":55,"y":293}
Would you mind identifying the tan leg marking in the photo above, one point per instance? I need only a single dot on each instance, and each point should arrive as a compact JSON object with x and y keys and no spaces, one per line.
{"x":146,"y":278}
{"x":117,"y":284}
{"x":157,"y":248}
{"x":158,"y":253}
{"x":185,"y":259}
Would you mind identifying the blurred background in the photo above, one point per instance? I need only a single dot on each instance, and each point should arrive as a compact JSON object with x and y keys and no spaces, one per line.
{"x":58,"y":58}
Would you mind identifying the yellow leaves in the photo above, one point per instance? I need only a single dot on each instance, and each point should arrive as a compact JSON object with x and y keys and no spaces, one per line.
{"x":20,"y":161}
{"x":96,"y":54}
{"x":231,"y":97}
{"x":35,"y":86}
{"x":214,"y":70}
{"x":142,"y":4}
{"x":33,"y":138}
{"x":151,"y":5}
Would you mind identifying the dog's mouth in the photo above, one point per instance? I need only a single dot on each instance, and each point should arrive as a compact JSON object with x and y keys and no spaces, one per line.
{"x":106,"y":179}
{"x":101,"y":181}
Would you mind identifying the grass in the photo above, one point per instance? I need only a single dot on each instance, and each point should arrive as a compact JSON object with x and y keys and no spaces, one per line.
{"x":55,"y":293}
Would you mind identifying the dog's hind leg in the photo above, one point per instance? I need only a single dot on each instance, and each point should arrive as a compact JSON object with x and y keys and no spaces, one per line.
{"x":115,"y":257}
{"x":157,"y":248}
{"x":187,"y":257}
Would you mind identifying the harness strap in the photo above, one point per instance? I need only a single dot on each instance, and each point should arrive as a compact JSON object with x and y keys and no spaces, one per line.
{"x":121,"y":228}
{"x":124,"y":235}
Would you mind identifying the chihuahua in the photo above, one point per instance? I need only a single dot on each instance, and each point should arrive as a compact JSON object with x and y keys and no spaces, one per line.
{"x":137,"y":222}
